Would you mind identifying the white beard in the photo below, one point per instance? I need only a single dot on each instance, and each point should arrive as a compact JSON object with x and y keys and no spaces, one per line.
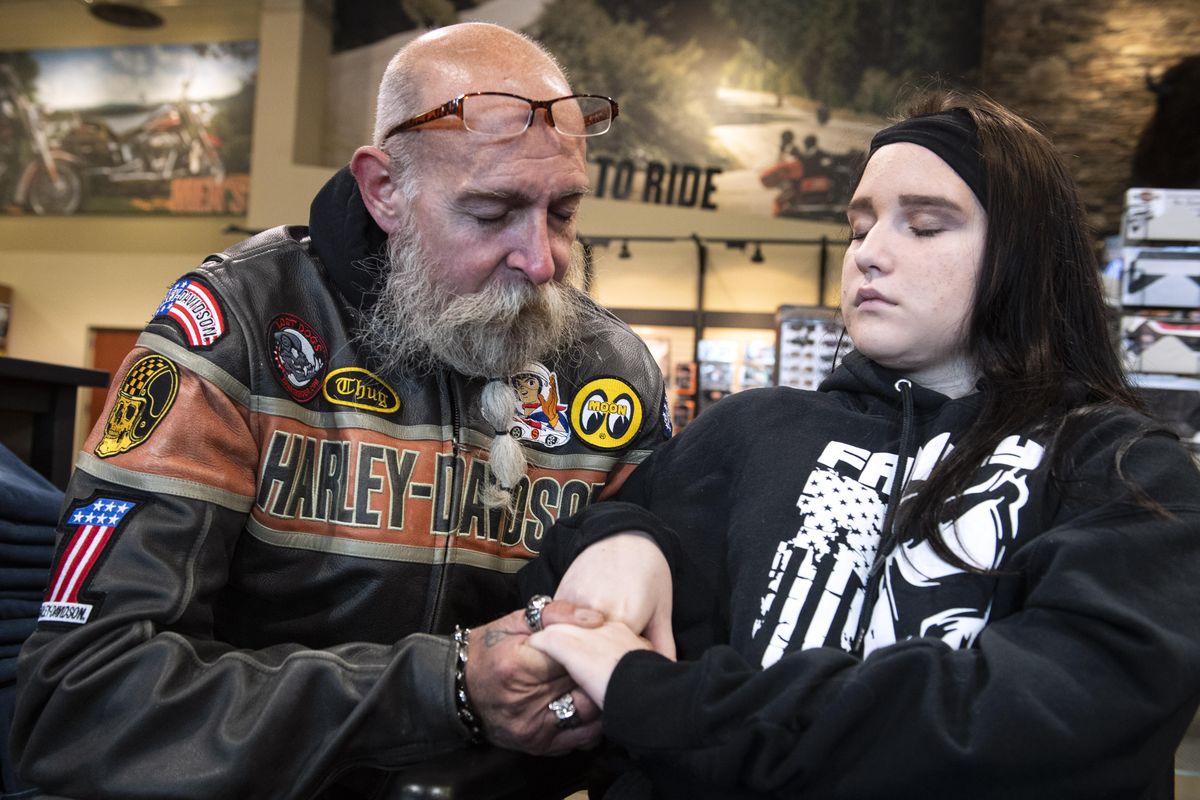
{"x":417,"y":327}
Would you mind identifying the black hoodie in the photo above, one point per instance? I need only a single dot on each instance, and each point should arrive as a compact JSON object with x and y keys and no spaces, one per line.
{"x":345,"y":237}
{"x":1070,"y":669}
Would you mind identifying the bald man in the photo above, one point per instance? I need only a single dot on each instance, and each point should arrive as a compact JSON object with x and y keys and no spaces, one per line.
{"x":313,"y":476}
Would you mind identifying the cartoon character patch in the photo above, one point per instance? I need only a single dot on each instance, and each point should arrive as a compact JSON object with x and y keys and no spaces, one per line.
{"x":90,"y":528}
{"x":143,"y":399}
{"x":358,"y":388}
{"x":538,"y":416}
{"x":607,"y":413}
{"x":300,"y":356}
{"x":194,"y":307}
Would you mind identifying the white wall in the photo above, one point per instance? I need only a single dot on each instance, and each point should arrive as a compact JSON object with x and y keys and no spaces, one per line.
{"x":289,"y":114}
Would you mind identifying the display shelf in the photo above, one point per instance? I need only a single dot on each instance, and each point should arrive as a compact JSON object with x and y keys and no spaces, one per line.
{"x":1158,"y":299}
{"x":809,"y":342}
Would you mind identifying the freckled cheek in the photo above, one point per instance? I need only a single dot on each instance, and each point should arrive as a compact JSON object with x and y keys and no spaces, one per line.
{"x":951,"y":307}
{"x":849,"y":271}
{"x":936,"y":298}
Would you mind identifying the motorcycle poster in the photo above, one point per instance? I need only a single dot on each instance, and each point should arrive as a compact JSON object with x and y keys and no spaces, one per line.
{"x":759,"y":106}
{"x":157,"y":129}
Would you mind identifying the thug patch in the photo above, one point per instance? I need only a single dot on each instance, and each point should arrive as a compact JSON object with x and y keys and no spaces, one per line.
{"x":143,"y":399}
{"x":90,"y":528}
{"x":359,"y":388}
{"x":538,"y":416}
{"x":193,"y":307}
{"x":300,"y":356}
{"x":607,"y":413}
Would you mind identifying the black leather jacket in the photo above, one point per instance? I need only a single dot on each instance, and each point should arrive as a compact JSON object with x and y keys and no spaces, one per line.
{"x":264,"y":542}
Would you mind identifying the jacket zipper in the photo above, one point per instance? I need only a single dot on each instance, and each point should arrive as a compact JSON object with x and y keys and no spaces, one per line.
{"x":455,"y":424}
{"x":888,"y":536}
{"x":457,"y":446}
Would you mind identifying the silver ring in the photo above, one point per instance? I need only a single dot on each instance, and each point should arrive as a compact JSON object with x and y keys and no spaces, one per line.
{"x":533,"y":611}
{"x":564,"y":711}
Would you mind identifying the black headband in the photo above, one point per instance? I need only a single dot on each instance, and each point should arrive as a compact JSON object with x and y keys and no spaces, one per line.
{"x":951,"y":136}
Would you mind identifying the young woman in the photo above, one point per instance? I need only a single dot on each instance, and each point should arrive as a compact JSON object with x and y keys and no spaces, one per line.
{"x":967,"y":566}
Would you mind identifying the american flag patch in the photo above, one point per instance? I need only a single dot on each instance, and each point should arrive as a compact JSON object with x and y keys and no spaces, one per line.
{"x":194,"y":307}
{"x":93,"y":527}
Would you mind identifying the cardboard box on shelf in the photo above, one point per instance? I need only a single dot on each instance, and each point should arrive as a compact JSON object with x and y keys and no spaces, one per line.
{"x":1163,"y":277}
{"x":1167,"y":345}
{"x":1168,"y":215}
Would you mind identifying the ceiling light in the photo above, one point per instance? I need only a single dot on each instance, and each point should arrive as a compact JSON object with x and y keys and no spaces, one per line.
{"x":124,"y":14}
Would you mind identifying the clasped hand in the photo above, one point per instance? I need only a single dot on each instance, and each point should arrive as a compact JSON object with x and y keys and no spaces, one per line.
{"x":626,"y":578}
{"x":511,"y":685}
{"x":614,"y":590}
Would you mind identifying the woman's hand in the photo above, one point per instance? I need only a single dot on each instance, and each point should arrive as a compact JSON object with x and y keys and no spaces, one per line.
{"x":626,"y":578}
{"x":589,"y":654}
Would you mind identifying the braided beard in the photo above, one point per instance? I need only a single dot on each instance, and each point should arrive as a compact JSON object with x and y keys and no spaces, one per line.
{"x":417,"y":327}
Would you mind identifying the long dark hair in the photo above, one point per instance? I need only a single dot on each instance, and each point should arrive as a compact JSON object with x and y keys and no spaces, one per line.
{"x":1038,"y":333}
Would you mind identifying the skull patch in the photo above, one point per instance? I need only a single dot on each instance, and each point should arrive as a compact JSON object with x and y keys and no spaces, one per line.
{"x":143,"y":400}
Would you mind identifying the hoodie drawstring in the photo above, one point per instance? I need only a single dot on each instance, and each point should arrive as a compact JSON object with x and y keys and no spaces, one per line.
{"x":887,"y":537}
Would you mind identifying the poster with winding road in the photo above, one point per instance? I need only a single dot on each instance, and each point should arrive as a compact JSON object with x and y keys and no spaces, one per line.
{"x":760,"y":106}
{"x":753,"y":106}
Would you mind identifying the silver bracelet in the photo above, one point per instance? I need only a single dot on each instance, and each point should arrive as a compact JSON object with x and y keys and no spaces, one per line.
{"x":462,"y":702}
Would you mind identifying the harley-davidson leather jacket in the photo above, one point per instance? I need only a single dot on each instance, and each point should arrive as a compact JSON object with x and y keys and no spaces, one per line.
{"x":265,"y":542}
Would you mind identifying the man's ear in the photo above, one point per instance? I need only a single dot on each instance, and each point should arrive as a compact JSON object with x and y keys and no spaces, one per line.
{"x":381,"y":195}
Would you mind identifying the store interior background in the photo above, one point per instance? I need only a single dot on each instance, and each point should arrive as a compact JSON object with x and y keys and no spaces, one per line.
{"x":1077,"y":67}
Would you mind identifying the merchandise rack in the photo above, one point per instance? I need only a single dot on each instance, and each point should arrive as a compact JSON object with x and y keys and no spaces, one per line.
{"x":1158,"y":299}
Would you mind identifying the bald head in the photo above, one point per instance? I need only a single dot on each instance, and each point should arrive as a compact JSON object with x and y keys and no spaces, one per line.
{"x":454,"y":60}
{"x":495,"y":209}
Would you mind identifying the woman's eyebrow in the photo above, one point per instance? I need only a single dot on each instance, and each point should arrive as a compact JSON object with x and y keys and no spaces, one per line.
{"x":928,"y":201}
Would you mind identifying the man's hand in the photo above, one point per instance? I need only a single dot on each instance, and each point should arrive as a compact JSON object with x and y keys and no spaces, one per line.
{"x":626,"y":578}
{"x":511,"y":685}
